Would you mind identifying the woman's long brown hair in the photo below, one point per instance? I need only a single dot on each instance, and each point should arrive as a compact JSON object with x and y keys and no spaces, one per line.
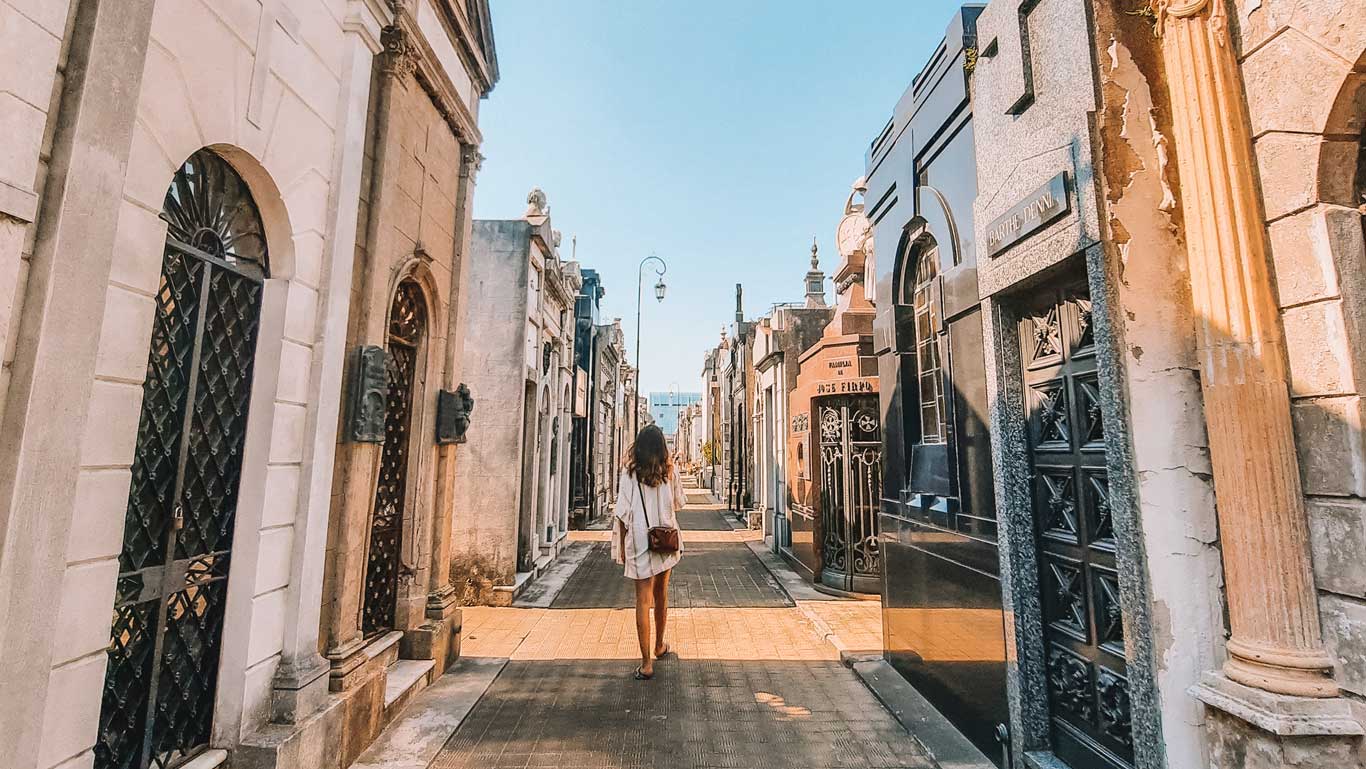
{"x":649,"y":461}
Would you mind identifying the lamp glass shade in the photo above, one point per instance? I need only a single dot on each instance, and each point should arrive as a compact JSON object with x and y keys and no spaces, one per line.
{"x":659,"y":291}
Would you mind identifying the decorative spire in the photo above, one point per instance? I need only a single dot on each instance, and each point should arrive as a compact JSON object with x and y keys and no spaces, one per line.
{"x":815,"y":279}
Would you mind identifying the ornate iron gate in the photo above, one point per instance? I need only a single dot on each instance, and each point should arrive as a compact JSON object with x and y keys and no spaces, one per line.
{"x":161,"y":679}
{"x":407,"y":323}
{"x":851,"y":482}
{"x":1079,"y":584}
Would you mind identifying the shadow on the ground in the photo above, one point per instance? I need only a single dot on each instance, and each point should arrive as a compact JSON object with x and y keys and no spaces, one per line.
{"x":692,"y":715}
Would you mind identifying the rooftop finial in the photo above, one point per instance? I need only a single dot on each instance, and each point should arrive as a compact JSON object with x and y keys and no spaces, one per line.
{"x":815,"y":257}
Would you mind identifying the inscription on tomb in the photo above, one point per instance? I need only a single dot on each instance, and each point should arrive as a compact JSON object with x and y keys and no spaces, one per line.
{"x":1039,"y":209}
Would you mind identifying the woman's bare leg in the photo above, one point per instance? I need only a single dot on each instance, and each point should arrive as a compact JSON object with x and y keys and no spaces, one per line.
{"x":661,"y":597}
{"x":644,"y":595}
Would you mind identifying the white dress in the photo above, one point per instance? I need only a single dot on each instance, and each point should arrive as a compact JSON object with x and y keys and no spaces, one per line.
{"x":663,"y":501}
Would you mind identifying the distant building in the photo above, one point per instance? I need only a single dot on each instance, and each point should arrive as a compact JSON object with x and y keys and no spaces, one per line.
{"x":666,"y":407}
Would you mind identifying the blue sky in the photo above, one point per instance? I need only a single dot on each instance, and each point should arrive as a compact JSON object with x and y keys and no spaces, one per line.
{"x":720,"y":135}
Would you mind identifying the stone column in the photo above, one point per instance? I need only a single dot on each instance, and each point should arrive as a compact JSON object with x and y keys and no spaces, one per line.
{"x":345,"y":646}
{"x":1276,"y":644}
{"x":441,"y":599}
{"x":301,"y":681}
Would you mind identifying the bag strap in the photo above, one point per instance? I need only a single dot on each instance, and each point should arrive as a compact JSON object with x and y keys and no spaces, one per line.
{"x":644,"y":507}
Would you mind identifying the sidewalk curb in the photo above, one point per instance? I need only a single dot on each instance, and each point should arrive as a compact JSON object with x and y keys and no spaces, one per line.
{"x":946,"y":746}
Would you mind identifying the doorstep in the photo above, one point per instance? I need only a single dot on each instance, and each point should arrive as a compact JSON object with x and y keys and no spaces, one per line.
{"x":504,"y":595}
{"x":413,"y":740}
{"x":405,"y":677}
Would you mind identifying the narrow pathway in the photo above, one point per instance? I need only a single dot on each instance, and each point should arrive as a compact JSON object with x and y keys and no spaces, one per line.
{"x":754,"y":683}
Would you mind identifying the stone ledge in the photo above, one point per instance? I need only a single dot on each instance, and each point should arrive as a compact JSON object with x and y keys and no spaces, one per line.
{"x":1278,"y":713}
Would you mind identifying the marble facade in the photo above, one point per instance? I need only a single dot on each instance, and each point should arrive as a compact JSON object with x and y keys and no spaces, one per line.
{"x":1114,"y":208}
{"x":104,"y":104}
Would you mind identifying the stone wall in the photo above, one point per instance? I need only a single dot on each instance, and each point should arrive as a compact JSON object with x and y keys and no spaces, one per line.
{"x":34,"y":38}
{"x":488,"y":479}
{"x":1304,"y":70}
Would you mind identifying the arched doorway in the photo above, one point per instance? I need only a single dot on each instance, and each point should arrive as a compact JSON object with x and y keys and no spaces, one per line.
{"x":384,"y":560}
{"x":160,"y":684}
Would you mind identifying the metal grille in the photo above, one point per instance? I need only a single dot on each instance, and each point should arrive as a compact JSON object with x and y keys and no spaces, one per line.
{"x":160,"y":682}
{"x":1083,"y":624}
{"x":384,"y":562}
{"x":851,"y":481}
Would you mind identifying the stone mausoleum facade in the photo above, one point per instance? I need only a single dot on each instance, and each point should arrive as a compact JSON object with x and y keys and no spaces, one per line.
{"x":1161,"y":248}
{"x":187,"y":197}
{"x":511,"y":492}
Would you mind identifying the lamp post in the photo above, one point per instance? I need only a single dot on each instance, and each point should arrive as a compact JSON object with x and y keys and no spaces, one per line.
{"x":659,"y":297}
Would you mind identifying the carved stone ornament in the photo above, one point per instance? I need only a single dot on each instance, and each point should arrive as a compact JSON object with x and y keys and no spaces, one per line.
{"x":400,"y":57}
{"x":369,"y":385}
{"x":471,"y":160}
{"x":536,"y":204}
{"x":453,"y":411}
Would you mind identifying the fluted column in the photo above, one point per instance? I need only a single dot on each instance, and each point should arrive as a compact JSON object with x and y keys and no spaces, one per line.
{"x":1276,"y":642}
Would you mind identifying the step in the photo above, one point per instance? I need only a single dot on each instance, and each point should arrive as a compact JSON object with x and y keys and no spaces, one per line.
{"x":404,"y":678}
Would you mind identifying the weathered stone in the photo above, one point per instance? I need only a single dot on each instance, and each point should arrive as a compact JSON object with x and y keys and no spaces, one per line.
{"x":1344,"y":630}
{"x":1287,"y":162}
{"x":1317,"y":347}
{"x":1328,"y":441}
{"x":1338,"y":27}
{"x":1337,"y":534}
{"x":1297,"y":98}
{"x":1302,"y":249}
{"x":1236,"y":743}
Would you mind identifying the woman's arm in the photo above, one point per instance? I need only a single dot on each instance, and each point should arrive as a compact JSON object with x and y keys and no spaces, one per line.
{"x":676,"y":484}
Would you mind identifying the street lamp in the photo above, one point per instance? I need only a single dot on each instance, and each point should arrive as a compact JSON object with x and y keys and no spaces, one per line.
{"x":659,"y":297}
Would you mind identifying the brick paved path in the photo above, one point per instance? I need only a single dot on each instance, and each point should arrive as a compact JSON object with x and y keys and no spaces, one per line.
{"x":715,"y":575}
{"x":752,"y":685}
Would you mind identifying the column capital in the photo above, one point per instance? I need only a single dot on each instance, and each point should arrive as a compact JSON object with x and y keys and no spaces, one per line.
{"x":471,"y":160}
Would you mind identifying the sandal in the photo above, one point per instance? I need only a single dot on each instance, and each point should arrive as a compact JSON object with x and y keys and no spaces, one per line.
{"x":668,"y":649}
{"x":641,"y":676}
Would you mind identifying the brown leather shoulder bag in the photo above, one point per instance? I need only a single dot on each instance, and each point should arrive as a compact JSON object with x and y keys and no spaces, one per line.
{"x":662,"y":539}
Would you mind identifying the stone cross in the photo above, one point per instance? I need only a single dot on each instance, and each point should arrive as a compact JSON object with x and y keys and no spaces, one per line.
{"x":273,"y":12}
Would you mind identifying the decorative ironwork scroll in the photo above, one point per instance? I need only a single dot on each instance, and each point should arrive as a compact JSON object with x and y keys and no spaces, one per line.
{"x":159,"y":687}
{"x":1078,"y":580}
{"x":407,"y":324}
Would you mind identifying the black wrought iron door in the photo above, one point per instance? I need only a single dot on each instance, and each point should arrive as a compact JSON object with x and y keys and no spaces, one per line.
{"x":1083,"y":626}
{"x":160,"y":682}
{"x":384,"y":561}
{"x":851,"y":483}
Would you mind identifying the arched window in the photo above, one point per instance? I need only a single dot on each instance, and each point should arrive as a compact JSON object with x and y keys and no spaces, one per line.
{"x":208,"y":207}
{"x":930,"y":385}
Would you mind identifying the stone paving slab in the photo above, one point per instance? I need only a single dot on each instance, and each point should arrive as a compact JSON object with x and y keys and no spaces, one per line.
{"x":693,"y":715}
{"x":710,"y":575}
{"x":701,"y":519}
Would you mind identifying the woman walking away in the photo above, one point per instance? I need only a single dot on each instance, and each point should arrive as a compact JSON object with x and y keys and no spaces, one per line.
{"x":645,"y":537}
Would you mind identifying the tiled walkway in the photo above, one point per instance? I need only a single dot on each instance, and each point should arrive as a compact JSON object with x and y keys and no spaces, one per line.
{"x":753,"y":684}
